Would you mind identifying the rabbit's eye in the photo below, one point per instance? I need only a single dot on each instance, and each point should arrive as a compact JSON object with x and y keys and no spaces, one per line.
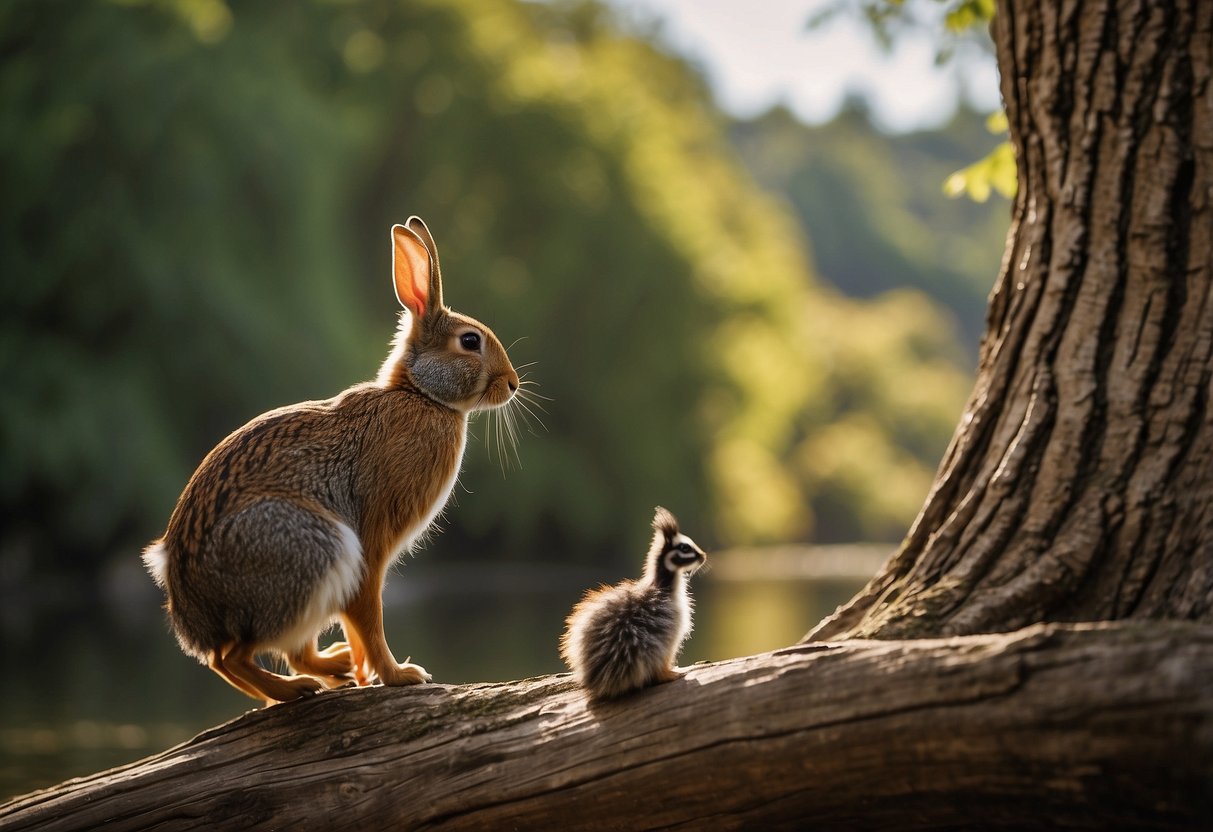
{"x":470,"y":341}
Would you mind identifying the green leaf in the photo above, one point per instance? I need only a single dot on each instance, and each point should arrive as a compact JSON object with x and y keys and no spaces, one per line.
{"x":997,"y":122}
{"x":969,"y":13}
{"x":995,"y":172}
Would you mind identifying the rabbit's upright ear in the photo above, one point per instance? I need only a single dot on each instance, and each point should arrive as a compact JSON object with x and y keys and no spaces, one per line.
{"x":423,"y":233}
{"x":411,"y":272}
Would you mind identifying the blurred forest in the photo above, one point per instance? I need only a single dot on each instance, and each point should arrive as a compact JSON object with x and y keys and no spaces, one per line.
{"x":871,"y":206}
{"x":765,"y":326}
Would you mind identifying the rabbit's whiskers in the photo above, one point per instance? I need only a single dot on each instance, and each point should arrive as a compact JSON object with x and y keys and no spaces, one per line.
{"x":505,"y":422}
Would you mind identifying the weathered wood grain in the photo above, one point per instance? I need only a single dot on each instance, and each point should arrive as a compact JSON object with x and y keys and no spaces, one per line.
{"x":1087,"y":726}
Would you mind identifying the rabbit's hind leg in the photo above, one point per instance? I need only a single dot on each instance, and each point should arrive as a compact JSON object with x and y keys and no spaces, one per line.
{"x":238,"y":662}
{"x":333,"y":666}
{"x":216,"y":664}
{"x":352,"y":646}
{"x":342,"y":650}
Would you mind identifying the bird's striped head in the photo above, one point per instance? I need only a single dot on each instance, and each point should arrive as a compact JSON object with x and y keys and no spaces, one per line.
{"x":672,"y":552}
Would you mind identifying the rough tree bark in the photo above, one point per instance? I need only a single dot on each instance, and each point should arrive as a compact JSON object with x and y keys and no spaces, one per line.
{"x":1079,"y":485}
{"x":1078,"y":488}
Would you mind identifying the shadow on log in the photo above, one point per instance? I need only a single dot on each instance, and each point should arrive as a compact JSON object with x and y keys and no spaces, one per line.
{"x":1086,"y":726}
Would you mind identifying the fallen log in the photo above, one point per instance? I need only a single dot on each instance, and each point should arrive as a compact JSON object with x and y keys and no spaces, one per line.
{"x":1086,"y":726}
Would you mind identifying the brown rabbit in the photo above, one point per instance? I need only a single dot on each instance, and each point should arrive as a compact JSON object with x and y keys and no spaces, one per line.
{"x":292,"y":521}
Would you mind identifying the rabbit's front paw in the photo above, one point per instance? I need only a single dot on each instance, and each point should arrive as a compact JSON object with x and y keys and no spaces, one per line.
{"x":406,"y":674}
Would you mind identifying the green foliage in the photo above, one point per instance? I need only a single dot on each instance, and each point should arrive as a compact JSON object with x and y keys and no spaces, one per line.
{"x":887,"y":20}
{"x":157,"y":262}
{"x":966,"y":14}
{"x":995,"y":171}
{"x":962,"y":22}
{"x":871,"y":206}
{"x":195,"y":230}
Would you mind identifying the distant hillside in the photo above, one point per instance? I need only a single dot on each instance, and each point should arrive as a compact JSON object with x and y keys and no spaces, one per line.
{"x":873,"y":207}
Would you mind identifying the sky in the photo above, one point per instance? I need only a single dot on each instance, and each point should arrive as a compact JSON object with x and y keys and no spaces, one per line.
{"x":758,"y":54}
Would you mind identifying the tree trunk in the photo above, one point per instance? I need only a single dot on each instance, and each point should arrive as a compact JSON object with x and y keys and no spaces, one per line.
{"x":1081,"y":726}
{"x":1079,"y":485}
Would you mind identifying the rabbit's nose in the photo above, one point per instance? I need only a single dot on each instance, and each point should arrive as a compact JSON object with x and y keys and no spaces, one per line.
{"x":513,"y":385}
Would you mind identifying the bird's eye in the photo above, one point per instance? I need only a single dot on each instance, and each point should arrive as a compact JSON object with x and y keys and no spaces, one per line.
{"x":470,"y":341}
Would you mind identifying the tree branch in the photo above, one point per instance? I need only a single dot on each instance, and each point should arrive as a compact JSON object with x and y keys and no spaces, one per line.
{"x":1089,"y":726}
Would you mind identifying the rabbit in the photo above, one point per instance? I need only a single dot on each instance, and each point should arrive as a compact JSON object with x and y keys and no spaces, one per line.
{"x":292,"y":521}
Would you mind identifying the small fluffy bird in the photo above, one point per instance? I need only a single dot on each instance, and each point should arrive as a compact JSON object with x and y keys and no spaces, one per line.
{"x":625,"y":637}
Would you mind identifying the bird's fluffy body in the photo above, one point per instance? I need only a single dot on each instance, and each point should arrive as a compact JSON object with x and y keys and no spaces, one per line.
{"x":624,"y":637}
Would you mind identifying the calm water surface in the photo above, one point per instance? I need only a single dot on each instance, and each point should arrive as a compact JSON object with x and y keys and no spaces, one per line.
{"x":110,"y":686}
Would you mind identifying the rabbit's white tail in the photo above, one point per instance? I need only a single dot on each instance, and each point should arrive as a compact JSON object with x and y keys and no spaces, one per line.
{"x":155,"y":558}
